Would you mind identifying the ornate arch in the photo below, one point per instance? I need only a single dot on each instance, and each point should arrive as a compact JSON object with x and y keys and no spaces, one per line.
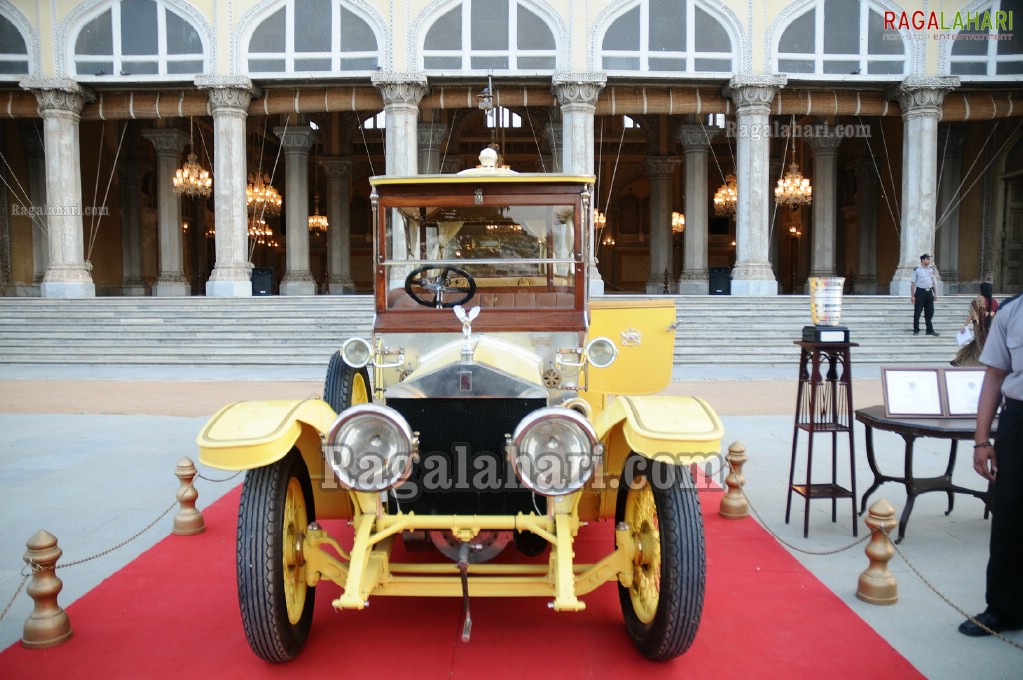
{"x":741,"y":53}
{"x":945,"y":48}
{"x":241,"y":34}
{"x":64,"y":51}
{"x":28,"y":33}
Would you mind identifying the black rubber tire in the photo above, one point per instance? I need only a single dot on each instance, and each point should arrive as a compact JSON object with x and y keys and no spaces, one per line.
{"x":683,"y":560}
{"x":261,"y":587}
{"x":337,"y":388}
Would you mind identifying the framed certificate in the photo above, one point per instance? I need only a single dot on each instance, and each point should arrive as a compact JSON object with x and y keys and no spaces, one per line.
{"x":962,"y":391}
{"x":912,"y":392}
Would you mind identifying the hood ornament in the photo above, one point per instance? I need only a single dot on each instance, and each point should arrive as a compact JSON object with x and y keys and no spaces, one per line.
{"x":466,"y":318}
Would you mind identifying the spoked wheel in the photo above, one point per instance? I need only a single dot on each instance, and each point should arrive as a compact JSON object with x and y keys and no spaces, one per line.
{"x":662,"y":607}
{"x":345,"y":386}
{"x":276,"y":604}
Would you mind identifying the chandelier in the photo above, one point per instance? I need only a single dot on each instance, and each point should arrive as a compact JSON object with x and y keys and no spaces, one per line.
{"x":599,"y":219}
{"x":260,"y":232}
{"x":726,"y":197}
{"x":191,"y":179}
{"x":317,"y":223}
{"x":609,"y":241}
{"x":261,"y":196}
{"x":678,"y":223}
{"x":793,"y":190}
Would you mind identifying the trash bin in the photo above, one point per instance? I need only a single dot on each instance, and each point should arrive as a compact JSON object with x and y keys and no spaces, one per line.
{"x":720,"y":281}
{"x":263,"y":281}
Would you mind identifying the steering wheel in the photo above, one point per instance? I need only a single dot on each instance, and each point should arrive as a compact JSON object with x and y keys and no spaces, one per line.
{"x":438,"y":280}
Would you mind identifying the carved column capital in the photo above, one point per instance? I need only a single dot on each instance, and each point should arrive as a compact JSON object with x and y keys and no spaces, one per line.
{"x":401,"y":89}
{"x":754,"y":93}
{"x":695,"y":137}
{"x":824,"y":141}
{"x":921,"y":97}
{"x":295,"y":139}
{"x":166,"y":141}
{"x":228,"y":95}
{"x":578,"y":89}
{"x":58,"y":96}
{"x":337,"y":167}
{"x":431,"y":134}
{"x":662,"y":165}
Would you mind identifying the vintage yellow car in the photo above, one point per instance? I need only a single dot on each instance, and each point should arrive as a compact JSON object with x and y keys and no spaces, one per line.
{"x":495,"y":406}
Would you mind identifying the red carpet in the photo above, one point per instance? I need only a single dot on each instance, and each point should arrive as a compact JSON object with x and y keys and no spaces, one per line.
{"x":173,"y":613}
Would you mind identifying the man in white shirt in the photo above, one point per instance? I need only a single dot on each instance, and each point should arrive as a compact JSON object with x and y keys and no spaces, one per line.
{"x":923,"y":293}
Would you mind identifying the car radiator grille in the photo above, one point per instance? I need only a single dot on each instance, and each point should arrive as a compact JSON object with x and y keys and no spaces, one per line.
{"x":457,"y":439}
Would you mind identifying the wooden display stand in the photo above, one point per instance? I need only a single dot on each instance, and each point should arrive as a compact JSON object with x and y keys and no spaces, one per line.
{"x":824,"y":404}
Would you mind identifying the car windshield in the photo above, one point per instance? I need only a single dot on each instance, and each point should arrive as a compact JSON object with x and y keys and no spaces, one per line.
{"x":514,"y":256}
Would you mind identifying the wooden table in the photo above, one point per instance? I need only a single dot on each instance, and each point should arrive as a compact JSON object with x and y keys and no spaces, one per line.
{"x":910,"y":429}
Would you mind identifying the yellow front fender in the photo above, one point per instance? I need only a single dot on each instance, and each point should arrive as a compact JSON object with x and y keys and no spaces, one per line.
{"x":251,"y":434}
{"x":681,"y":429}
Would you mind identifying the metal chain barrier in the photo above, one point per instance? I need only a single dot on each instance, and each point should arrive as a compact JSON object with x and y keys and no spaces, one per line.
{"x":793,"y":547}
{"x":15,"y":596}
{"x":217,"y":481}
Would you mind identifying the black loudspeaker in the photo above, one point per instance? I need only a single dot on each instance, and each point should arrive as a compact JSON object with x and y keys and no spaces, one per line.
{"x":720,"y":281}
{"x":263,"y":281}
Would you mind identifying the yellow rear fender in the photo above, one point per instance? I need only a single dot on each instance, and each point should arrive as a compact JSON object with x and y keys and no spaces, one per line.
{"x":251,"y":434}
{"x":680,"y":430}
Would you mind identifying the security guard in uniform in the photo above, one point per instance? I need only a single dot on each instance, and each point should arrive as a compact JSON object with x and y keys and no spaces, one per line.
{"x":1002,"y":463}
{"x":923,"y":294}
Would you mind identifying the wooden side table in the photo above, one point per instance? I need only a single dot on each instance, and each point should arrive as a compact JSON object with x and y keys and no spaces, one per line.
{"x":824,"y":404}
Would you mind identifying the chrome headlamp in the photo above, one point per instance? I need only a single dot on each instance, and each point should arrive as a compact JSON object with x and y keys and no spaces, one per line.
{"x":371,"y":448}
{"x":599,"y":353}
{"x":554,"y":451}
{"x":356,"y":352}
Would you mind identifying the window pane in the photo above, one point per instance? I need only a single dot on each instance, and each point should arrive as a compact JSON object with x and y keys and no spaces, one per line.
{"x":446,"y":32}
{"x":488,"y":62}
{"x":1014,"y":46}
{"x":138,"y":27}
{"x":93,"y":68}
{"x":795,"y":65}
{"x":536,"y":63}
{"x":969,"y":46}
{"x":534,"y":34}
{"x":359,"y":64}
{"x":715,"y":65}
{"x":312,"y":64}
{"x":798,"y":37}
{"x":356,"y":35}
{"x":269,"y":35}
{"x":312,"y":26}
{"x":662,"y":64}
{"x":844,"y":67}
{"x":621,"y":63}
{"x":623,"y":34}
{"x":266,"y":65}
{"x":96,"y":37}
{"x":15,"y":67}
{"x":1007,"y":68}
{"x":139,"y":68}
{"x":442,"y":62}
{"x":667,"y":25}
{"x":885,"y":67}
{"x":710,"y":35}
{"x":841,"y":27}
{"x":190,"y":66}
{"x":11,"y":41}
{"x":181,"y":37}
{"x":489,"y":27}
{"x":880,"y":41}
{"x":969,"y":68}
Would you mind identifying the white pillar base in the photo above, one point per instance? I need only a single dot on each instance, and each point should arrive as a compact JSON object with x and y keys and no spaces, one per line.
{"x":757,"y":287}
{"x":694,"y":287}
{"x":596,"y":286}
{"x":133,"y":291}
{"x":171,"y":289}
{"x":229,"y":288}
{"x":298,"y":288}
{"x":67,"y":289}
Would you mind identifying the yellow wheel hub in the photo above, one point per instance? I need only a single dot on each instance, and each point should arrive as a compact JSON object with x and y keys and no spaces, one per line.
{"x":296,"y":519}
{"x":641,"y":514}
{"x":360,"y":391}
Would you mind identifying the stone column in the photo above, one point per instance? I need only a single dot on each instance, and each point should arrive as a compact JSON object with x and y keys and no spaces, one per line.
{"x":866,"y":224}
{"x":752,"y":274}
{"x":695,"y":141}
{"x":169,"y":143}
{"x":577,"y":95}
{"x":6,"y":273}
{"x":824,"y":143}
{"x":920,"y":99}
{"x":431,"y":144}
{"x":554,"y":133}
{"x":402,"y":94}
{"x":131,"y":227}
{"x":946,"y":251}
{"x":296,"y":141}
{"x":661,"y":172}
{"x":339,"y":235}
{"x":60,"y":103}
{"x":32,"y":135}
{"x":229,"y":104}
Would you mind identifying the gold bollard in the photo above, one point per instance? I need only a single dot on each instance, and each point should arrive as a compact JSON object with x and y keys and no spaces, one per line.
{"x":48,"y":625}
{"x":734,"y":504}
{"x":877,"y":585}
{"x":188,"y":521}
